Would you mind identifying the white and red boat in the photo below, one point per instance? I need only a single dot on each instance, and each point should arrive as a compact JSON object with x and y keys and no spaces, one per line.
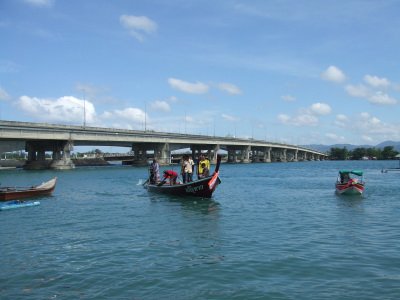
{"x":350,"y":182}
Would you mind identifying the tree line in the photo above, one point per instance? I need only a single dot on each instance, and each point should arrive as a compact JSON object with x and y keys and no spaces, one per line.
{"x":387,"y":152}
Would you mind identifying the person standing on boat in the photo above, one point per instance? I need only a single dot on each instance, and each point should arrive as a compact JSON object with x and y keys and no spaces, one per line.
{"x":171,"y":175}
{"x":154,"y":171}
{"x":186,"y":169}
{"x":191,"y":169}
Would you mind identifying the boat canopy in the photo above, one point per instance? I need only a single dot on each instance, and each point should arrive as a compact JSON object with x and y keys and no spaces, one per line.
{"x":355,"y":172}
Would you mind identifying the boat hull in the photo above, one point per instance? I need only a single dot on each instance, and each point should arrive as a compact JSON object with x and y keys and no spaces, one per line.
{"x":18,"y":204}
{"x":350,"y":188}
{"x":45,"y":189}
{"x":199,"y":188}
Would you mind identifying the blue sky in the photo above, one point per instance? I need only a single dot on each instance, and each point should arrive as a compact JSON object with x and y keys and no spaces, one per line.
{"x":298,"y":72}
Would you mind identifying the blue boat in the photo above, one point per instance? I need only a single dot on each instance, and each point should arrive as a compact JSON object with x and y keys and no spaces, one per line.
{"x":17,"y":204}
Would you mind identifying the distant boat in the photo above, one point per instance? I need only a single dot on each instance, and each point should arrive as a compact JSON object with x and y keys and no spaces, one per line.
{"x":17,"y":204}
{"x":350,"y":182}
{"x":199,"y":188}
{"x":12,"y":193}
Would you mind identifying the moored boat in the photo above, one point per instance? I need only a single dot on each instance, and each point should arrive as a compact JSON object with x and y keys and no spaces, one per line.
{"x":350,"y":182}
{"x":18,"y":204}
{"x":12,"y":193}
{"x":199,"y":188}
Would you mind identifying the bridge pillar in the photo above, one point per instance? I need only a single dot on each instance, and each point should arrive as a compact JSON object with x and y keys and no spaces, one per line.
{"x":284,"y":155}
{"x":61,"y":158}
{"x":267,"y":154}
{"x":162,"y":153}
{"x":231,"y":155}
{"x":245,"y":154}
{"x":140,"y":155}
{"x":214,"y":153}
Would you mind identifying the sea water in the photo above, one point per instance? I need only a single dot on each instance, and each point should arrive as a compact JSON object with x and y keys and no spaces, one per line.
{"x":271,"y":231}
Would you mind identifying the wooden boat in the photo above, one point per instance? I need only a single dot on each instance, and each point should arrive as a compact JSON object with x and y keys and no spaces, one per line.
{"x":18,"y":204}
{"x":12,"y":193}
{"x":199,"y":188}
{"x":350,"y":182}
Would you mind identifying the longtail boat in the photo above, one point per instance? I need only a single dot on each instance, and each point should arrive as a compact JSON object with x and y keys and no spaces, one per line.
{"x":12,"y":193}
{"x":350,"y":182}
{"x":199,"y":188}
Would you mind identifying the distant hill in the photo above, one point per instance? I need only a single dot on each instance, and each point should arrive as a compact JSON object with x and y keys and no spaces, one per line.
{"x":326,"y":148}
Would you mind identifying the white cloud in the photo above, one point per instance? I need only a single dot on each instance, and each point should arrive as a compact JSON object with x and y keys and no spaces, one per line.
{"x":229,"y":118}
{"x":129,"y":115}
{"x":376,"y":82}
{"x":67,"y":109}
{"x":3,"y":94}
{"x":187,"y":87}
{"x":321,"y":109}
{"x":333,"y":74}
{"x":161,"y":106}
{"x":382,"y":98}
{"x":334,"y":137}
{"x":360,"y":91}
{"x":341,"y":120}
{"x":40,"y":2}
{"x":299,"y":120}
{"x":138,"y":25}
{"x":229,"y":88}
{"x":288,"y":98}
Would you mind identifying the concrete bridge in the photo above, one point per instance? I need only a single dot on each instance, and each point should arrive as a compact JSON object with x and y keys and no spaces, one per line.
{"x":39,"y":138}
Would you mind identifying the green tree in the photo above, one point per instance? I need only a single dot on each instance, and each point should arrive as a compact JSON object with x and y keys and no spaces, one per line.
{"x":388,"y":152}
{"x":338,"y":153}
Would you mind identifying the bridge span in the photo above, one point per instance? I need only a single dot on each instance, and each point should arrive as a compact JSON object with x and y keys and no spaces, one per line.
{"x":39,"y":138}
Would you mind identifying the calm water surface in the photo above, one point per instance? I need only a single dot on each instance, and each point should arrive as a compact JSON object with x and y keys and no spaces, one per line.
{"x":271,"y":231}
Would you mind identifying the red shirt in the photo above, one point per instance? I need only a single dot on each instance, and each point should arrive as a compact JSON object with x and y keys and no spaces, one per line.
{"x":170,"y":174}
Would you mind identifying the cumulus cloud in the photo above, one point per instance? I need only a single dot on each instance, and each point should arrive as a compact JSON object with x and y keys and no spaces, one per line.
{"x":138,"y":26}
{"x":333,"y":74}
{"x":188,"y":87}
{"x":306,"y":117}
{"x":376,"y":82}
{"x":288,"y":98}
{"x":341,"y":120}
{"x":359,"y":91}
{"x":161,"y":106}
{"x":334,"y":137}
{"x":129,"y":115}
{"x":382,"y":98}
{"x":298,"y":120}
{"x":229,"y":118}
{"x":67,"y":109}
{"x":229,"y":88}
{"x":3,"y":94}
{"x":375,"y":97}
{"x":321,"y":109}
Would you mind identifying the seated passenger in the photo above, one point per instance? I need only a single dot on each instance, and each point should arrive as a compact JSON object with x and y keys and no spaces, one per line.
{"x":205,"y":171}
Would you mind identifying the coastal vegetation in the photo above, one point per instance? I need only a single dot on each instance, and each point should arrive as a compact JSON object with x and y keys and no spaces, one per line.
{"x":386,"y":153}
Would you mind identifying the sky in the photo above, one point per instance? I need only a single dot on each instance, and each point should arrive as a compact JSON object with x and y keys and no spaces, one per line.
{"x":297,"y":72}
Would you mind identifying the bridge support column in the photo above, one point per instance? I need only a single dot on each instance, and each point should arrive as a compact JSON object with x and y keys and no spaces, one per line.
{"x":267,"y":154}
{"x":231,"y":155}
{"x":140,"y":155}
{"x":61,"y":158}
{"x":163,"y":154}
{"x":245,"y":154}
